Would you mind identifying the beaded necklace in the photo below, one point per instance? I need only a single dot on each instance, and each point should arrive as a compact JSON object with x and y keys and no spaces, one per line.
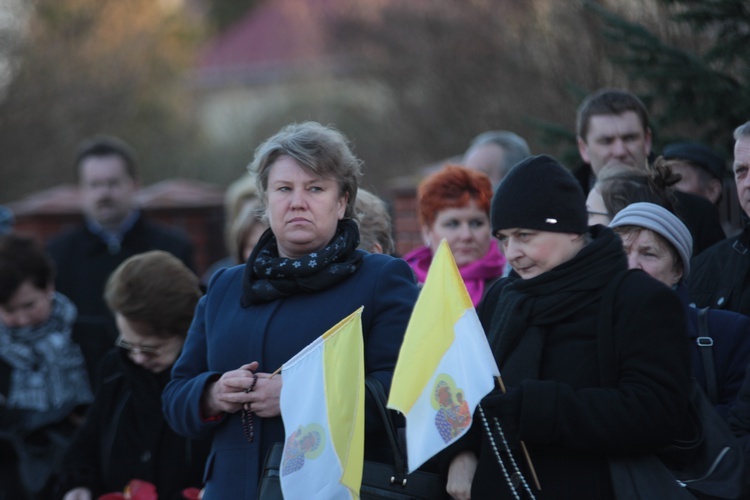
{"x":515,"y":479}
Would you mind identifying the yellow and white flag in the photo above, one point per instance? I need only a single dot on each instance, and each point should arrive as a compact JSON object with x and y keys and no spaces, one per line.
{"x":445,"y":366}
{"x":322,"y":406}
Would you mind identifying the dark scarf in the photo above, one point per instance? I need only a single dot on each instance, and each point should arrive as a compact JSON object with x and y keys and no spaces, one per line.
{"x":525,"y":308}
{"x":269,"y":277}
{"x":47,"y":368}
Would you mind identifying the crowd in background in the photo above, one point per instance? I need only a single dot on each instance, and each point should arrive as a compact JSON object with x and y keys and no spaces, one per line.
{"x":119,"y":363}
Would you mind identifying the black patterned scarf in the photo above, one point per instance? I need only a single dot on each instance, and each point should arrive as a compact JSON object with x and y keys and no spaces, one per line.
{"x":47,"y":368}
{"x":269,"y":277}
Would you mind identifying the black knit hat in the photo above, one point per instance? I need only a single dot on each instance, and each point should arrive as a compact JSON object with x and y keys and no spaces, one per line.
{"x":539,"y":193}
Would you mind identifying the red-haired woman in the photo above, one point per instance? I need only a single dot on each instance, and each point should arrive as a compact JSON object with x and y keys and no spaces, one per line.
{"x":454,"y":203}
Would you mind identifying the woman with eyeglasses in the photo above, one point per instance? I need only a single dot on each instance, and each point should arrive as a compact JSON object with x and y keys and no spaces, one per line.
{"x":617,"y":187}
{"x":153,"y":296}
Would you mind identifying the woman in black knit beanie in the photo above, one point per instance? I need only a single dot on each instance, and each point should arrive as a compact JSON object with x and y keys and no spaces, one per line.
{"x":542,"y":324}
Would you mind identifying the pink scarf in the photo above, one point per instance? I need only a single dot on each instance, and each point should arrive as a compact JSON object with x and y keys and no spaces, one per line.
{"x":475,"y":274}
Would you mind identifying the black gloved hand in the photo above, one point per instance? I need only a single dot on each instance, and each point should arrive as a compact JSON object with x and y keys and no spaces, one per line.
{"x":507,"y":409}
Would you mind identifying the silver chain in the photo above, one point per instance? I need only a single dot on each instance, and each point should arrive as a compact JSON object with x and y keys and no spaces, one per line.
{"x":517,"y":477}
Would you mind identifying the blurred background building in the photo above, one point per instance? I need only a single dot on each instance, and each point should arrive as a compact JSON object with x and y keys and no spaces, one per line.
{"x":195,"y":85}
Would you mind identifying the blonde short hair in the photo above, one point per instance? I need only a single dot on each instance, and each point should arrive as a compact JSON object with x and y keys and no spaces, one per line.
{"x":374,"y":223}
{"x":321,"y":150}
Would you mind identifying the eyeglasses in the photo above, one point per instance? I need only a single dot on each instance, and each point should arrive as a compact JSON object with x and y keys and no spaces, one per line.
{"x":592,"y":212}
{"x":149,"y":352}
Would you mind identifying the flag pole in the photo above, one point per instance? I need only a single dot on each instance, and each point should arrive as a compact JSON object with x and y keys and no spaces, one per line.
{"x":278,"y":370}
{"x":523,"y":445}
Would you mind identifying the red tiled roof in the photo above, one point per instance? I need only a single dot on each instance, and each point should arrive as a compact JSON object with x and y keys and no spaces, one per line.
{"x":171,"y":193}
{"x":277,"y":32}
{"x":175,"y":193}
{"x":57,"y":200}
{"x":280,"y":37}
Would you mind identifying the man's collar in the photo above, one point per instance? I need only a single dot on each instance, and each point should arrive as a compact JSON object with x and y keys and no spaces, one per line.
{"x":113,"y":240}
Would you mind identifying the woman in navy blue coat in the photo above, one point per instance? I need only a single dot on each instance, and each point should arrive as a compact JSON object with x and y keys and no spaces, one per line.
{"x":660,"y":244}
{"x":303,"y":277}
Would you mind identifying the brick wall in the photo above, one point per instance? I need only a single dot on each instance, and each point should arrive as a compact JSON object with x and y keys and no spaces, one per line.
{"x":204,"y":226}
{"x":407,"y":233}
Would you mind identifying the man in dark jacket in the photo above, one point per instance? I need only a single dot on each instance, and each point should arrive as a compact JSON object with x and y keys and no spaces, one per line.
{"x":114,"y":228}
{"x":612,"y":127}
{"x":721,"y":274}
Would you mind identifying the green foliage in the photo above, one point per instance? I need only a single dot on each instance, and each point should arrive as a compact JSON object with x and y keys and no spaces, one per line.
{"x":696,"y":94}
{"x":729,"y":19}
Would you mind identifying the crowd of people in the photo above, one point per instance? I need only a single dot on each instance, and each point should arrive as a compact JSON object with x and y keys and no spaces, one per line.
{"x":119,"y":363}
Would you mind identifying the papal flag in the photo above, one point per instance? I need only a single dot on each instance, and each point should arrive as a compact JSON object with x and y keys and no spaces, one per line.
{"x":322,"y":406}
{"x":445,"y":366}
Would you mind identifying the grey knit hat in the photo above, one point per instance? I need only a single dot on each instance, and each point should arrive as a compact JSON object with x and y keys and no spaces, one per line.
{"x":539,"y":193}
{"x":661,"y":221}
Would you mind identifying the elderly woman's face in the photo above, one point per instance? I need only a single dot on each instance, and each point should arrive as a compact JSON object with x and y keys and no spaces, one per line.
{"x":645,"y":251}
{"x":531,"y":252}
{"x":466,"y":229}
{"x":148,"y":351}
{"x":29,"y":306}
{"x":303,"y":210}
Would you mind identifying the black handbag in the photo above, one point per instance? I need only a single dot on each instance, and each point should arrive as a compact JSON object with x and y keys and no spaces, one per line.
{"x":269,"y":486}
{"x":390,"y":480}
{"x":710,"y":465}
{"x":379,"y":479}
{"x":644,"y":476}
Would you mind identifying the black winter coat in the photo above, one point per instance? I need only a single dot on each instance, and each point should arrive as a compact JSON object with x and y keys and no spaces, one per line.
{"x":730,"y":351}
{"x":126,"y":437}
{"x":569,"y":422}
{"x":719,"y":276}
